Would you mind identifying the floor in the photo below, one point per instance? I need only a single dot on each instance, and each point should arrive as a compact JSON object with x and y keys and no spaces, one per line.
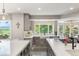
{"x":38,"y":47}
{"x":73,"y":52}
{"x":38,"y":53}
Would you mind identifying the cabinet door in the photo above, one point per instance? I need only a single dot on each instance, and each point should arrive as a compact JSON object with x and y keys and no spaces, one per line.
{"x":27,"y":22}
{"x":50,"y":52}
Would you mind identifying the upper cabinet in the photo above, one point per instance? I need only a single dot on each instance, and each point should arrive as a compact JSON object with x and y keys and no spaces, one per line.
{"x":27,"y":22}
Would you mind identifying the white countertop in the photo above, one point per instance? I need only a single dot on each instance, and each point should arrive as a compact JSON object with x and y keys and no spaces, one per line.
{"x":17,"y":46}
{"x":4,"y":47}
{"x":58,"y":47}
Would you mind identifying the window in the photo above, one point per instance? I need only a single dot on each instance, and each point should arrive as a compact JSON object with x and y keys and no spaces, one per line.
{"x":37,"y":28}
{"x":60,"y":30}
{"x":50,"y":28}
{"x":68,"y":28}
{"x":74,"y":30}
{"x":43,"y":29}
{"x":64,"y":29}
{"x":5,"y":29}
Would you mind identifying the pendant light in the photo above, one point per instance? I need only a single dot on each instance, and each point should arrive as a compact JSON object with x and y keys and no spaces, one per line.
{"x":4,"y":15}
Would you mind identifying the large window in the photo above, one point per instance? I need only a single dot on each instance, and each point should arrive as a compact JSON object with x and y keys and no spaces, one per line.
{"x":68,"y":28}
{"x":43,"y":29}
{"x":60,"y":29}
{"x":5,"y":29}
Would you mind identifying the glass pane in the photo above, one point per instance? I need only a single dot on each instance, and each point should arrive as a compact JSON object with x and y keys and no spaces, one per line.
{"x":37,"y":28}
{"x":5,"y":29}
{"x":75,"y":31}
{"x":61,"y":28}
{"x":50,"y":28}
{"x":44,"y":29}
{"x":66,"y":30}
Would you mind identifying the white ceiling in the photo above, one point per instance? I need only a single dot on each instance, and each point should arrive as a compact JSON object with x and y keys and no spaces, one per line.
{"x":46,"y":8}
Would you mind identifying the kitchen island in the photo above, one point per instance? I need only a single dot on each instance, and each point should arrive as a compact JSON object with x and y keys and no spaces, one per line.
{"x":5,"y":47}
{"x":18,"y":46}
{"x":58,"y":47}
{"x":14,"y":47}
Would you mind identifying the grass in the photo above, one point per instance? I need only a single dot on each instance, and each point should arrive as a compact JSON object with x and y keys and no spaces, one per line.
{"x":4,"y":33}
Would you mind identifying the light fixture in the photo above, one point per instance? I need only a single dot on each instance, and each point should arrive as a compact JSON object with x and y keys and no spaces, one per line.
{"x":71,"y":8}
{"x":4,"y":15}
{"x":39,"y":8}
{"x":19,"y":9}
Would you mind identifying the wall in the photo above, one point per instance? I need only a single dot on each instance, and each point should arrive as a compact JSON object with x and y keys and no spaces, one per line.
{"x":26,"y":24}
{"x":45,"y":16}
{"x":17,"y":33}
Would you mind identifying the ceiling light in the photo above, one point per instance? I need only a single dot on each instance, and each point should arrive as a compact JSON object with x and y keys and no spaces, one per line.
{"x":71,"y":8}
{"x":39,"y":8}
{"x":4,"y":15}
{"x":19,"y":9}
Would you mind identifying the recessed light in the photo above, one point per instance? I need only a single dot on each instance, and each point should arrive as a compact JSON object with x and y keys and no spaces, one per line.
{"x":39,"y":8}
{"x":71,"y":8}
{"x":19,"y":9}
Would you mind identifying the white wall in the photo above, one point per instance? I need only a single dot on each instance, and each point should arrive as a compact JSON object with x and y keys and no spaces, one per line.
{"x":17,"y":33}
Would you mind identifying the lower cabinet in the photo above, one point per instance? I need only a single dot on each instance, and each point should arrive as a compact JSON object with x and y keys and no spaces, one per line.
{"x":50,"y":52}
{"x":25,"y":51}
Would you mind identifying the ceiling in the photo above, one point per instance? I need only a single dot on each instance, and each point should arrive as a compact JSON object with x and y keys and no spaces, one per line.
{"x":44,"y":8}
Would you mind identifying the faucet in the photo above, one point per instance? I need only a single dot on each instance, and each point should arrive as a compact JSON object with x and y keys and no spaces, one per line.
{"x":73,"y":43}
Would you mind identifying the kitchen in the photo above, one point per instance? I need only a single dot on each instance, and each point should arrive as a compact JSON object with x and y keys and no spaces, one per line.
{"x":38,"y":29}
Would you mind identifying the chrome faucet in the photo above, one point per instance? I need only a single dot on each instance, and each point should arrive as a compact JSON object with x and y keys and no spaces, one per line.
{"x":73,"y":42}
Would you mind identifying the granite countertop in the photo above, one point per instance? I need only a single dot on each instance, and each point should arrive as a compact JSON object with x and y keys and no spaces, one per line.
{"x":4,"y":47}
{"x":18,"y":45}
{"x":58,"y":47}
